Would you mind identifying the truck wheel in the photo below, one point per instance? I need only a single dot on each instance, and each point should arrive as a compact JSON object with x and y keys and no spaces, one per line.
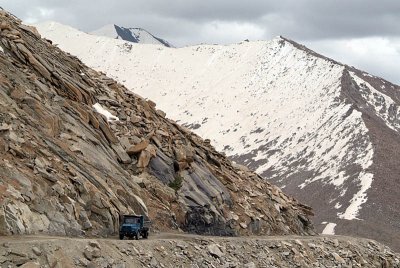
{"x":146,"y":235}
{"x":137,"y":236}
{"x":121,"y":237}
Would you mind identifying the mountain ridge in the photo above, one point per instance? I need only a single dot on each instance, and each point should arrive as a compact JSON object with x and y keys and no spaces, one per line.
{"x":324,"y":131}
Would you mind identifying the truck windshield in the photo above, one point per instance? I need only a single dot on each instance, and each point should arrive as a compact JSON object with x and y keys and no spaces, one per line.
{"x":132,"y":220}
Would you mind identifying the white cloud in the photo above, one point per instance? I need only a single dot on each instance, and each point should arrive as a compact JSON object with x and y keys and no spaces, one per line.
{"x":39,"y":14}
{"x":230,"y":32}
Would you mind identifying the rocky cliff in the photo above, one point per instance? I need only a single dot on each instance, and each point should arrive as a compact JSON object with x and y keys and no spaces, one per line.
{"x":78,"y":149}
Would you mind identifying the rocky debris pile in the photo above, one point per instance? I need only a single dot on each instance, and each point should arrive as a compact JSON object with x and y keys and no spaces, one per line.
{"x":199,"y":252}
{"x":78,"y":149}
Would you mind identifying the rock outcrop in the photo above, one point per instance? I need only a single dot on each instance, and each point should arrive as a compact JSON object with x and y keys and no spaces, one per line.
{"x":78,"y":149}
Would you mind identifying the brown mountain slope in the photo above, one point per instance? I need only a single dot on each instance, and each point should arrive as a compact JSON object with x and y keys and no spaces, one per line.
{"x":65,"y":170}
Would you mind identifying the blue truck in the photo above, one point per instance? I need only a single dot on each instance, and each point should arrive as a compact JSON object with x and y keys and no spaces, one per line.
{"x":134,"y":226}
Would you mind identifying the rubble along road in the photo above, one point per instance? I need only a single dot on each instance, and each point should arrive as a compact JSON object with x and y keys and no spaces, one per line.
{"x":184,"y":250}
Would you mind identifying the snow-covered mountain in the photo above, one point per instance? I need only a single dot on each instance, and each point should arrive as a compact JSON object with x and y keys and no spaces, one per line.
{"x":325,"y":132}
{"x":135,"y":35}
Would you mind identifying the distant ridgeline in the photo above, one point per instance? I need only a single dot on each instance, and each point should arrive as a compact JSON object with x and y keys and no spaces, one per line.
{"x":134,"y":35}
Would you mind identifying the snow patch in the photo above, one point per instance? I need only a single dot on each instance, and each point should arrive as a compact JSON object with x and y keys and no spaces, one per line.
{"x":368,"y":75}
{"x":104,"y":112}
{"x":384,"y":105}
{"x":359,"y":198}
{"x":329,"y":229}
{"x":1,"y":49}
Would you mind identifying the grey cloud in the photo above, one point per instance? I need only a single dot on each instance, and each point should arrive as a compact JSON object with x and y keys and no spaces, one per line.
{"x":185,"y":22}
{"x":215,"y":10}
{"x":303,"y":19}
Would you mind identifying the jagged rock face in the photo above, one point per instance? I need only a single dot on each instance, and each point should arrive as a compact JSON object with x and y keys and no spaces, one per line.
{"x":325,"y":132}
{"x":78,"y":149}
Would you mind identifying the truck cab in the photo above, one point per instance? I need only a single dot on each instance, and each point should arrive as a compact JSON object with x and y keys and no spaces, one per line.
{"x":133,"y":226}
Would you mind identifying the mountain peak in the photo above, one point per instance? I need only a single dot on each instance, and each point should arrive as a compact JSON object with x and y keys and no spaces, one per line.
{"x":131,"y":34}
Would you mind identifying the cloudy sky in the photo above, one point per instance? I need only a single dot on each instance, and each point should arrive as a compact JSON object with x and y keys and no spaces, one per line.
{"x":362,"y":33}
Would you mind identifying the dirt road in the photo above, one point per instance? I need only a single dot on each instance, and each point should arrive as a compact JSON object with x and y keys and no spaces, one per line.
{"x":186,"y":250}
